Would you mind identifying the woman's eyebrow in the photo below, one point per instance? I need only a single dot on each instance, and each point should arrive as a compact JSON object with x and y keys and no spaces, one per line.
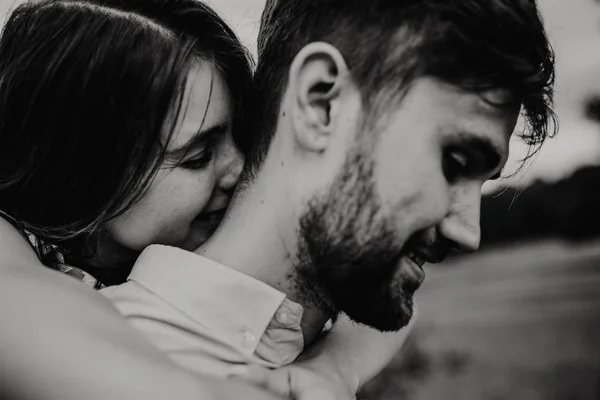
{"x":199,"y":138}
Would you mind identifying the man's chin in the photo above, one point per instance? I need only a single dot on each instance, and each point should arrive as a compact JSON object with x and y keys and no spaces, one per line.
{"x":391,"y":317}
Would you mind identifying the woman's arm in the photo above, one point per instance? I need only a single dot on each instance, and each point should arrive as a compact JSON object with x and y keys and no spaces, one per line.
{"x":355,"y":353}
{"x":335,"y":367}
{"x":62,"y":340}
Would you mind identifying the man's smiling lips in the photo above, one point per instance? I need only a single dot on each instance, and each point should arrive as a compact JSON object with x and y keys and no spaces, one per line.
{"x":416,"y":257}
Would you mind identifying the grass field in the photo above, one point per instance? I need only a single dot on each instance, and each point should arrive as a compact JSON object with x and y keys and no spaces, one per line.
{"x":518,"y":323}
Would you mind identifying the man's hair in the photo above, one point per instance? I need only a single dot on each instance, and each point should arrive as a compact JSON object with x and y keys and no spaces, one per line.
{"x":476,"y":45}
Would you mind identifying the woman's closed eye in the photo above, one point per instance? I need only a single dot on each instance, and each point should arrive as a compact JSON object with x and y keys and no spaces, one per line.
{"x":198,"y":161}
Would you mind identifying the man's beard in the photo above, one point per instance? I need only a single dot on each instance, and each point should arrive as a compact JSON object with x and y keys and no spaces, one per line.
{"x":348,"y":252}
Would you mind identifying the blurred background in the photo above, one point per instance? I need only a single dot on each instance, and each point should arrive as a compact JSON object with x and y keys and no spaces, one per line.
{"x":519,"y":320}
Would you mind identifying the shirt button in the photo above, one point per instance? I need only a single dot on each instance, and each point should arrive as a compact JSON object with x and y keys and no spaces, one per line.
{"x":283,"y":317}
{"x":248,"y":339}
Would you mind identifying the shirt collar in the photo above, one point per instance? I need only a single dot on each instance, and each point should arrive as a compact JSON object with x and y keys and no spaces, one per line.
{"x":230,"y":303}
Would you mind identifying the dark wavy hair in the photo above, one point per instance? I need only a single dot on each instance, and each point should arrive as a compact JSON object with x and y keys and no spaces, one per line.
{"x":476,"y":45}
{"x":87,"y":90}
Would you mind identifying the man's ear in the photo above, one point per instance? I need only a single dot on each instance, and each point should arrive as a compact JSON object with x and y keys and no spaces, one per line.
{"x":317,"y":77}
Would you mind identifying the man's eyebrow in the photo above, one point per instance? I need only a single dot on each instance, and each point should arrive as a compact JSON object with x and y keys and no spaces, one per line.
{"x":198,"y":139}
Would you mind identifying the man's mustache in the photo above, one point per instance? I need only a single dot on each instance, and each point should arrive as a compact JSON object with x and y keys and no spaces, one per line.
{"x":432,"y":249}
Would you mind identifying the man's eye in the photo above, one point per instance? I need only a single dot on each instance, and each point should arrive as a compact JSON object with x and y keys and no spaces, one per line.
{"x":455,"y":164}
{"x":198,"y":162}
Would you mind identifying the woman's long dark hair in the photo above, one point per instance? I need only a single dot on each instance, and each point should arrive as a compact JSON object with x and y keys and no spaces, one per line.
{"x":87,"y":90}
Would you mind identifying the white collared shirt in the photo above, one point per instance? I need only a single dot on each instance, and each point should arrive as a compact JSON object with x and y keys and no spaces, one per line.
{"x":207,"y":316}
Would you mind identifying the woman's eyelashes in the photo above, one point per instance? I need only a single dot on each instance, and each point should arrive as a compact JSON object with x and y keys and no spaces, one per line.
{"x":198,"y":161}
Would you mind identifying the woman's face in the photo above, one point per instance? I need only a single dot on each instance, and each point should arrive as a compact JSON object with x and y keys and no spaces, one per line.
{"x":192,"y":189}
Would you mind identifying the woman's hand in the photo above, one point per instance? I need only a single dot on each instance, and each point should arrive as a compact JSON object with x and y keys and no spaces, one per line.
{"x":301,"y":381}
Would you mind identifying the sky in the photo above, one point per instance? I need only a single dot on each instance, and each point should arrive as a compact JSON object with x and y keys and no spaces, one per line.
{"x":574,"y":30}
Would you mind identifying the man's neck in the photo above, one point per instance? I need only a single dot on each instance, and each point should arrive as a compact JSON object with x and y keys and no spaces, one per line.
{"x":258,"y":238}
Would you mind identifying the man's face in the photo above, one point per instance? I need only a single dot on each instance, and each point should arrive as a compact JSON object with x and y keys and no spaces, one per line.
{"x":408,"y":192}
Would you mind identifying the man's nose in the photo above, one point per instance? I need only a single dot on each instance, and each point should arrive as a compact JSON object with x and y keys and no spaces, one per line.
{"x":462,"y":224}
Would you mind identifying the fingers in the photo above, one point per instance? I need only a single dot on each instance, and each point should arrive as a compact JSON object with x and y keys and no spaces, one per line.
{"x":313,"y":394}
{"x":277,"y":381}
{"x":303,"y":386}
{"x":289,"y":383}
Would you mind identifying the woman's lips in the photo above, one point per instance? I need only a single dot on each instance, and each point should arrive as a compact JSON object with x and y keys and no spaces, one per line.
{"x":211,"y":218}
{"x":211,"y":215}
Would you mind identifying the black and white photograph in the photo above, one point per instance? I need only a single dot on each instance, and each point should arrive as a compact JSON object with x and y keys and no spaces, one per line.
{"x":300,"y":200}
